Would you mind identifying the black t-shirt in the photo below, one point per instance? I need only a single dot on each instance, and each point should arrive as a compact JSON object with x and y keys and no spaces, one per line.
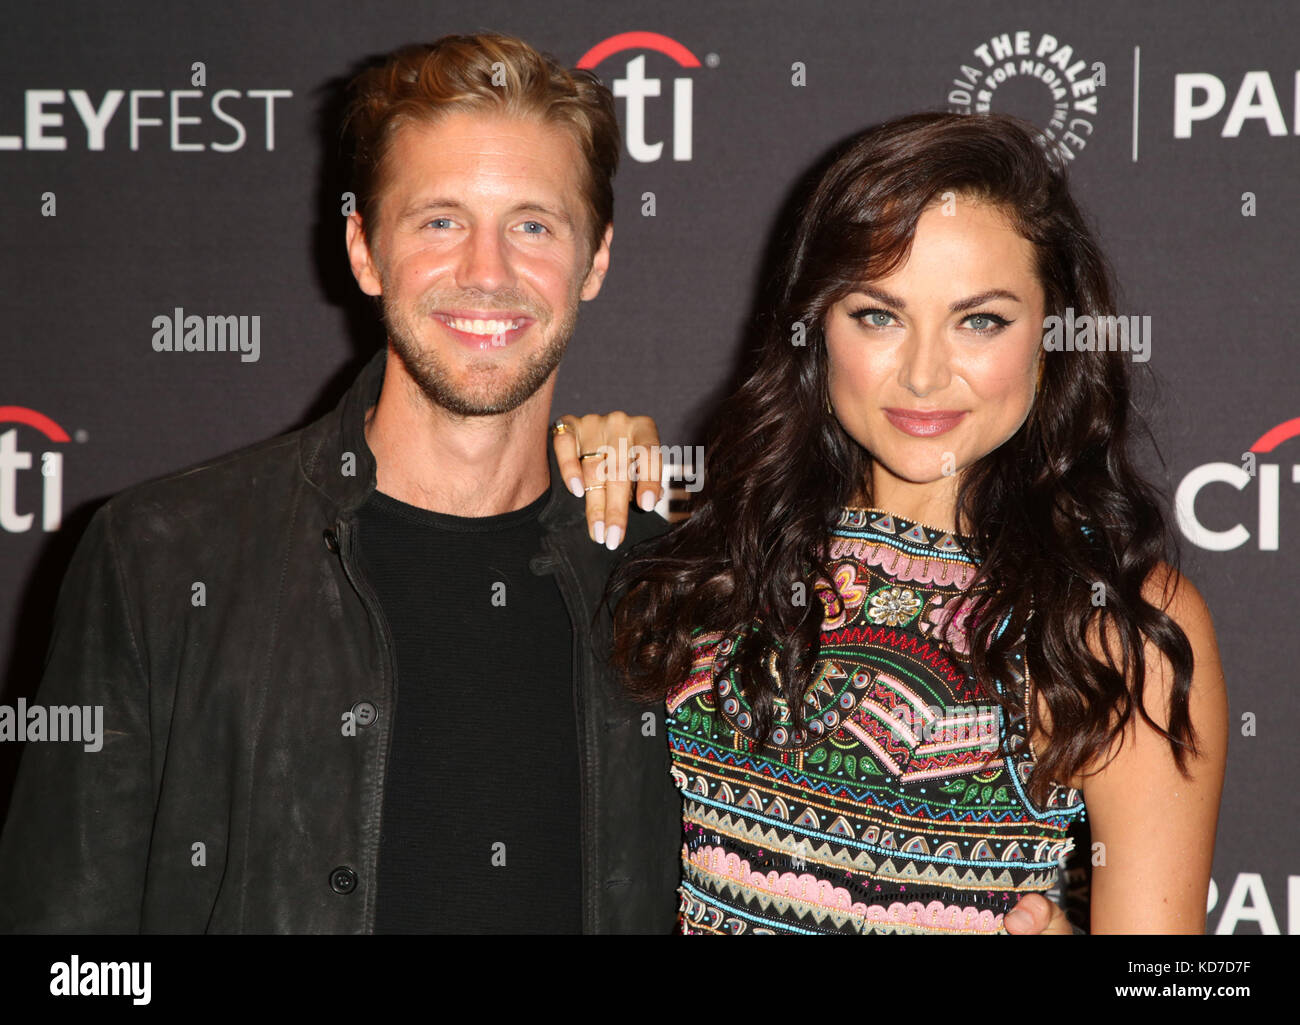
{"x":481,"y":819}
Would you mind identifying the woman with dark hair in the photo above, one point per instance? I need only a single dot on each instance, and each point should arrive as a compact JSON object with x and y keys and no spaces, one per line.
{"x":921,"y":617}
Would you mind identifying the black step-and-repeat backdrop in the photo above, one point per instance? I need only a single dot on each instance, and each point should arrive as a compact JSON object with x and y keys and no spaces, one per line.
{"x":159,"y":161}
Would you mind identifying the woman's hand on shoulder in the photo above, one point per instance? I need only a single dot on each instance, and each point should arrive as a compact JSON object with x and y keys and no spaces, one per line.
{"x":621,"y":452}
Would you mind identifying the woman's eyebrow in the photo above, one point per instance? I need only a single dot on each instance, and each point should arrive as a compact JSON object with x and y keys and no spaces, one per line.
{"x":982,"y":298}
{"x":962,"y":304}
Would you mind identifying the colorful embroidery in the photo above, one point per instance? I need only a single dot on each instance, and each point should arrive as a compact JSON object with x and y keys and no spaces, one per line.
{"x":891,"y":811}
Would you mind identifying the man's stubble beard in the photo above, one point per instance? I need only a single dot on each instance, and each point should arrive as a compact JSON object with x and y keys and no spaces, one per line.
{"x":431,"y":374}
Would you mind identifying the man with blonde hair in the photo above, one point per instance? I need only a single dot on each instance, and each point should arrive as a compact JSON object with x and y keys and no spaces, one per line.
{"x":353,"y":678}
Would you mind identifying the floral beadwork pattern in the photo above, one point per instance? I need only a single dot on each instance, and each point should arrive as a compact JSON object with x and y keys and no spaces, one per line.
{"x":896,"y":606}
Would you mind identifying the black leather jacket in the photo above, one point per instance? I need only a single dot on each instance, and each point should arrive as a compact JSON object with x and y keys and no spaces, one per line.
{"x":220,"y":618}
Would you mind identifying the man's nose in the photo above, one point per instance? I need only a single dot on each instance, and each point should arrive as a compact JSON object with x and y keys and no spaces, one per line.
{"x":485,"y":262}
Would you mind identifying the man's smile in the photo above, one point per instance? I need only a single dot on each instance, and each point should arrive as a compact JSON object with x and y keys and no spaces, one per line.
{"x":483,"y":329}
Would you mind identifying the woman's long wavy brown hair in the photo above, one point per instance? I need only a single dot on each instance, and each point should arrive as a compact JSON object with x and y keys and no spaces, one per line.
{"x":779,"y":467}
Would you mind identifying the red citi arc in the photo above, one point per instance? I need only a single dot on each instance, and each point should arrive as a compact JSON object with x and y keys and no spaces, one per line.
{"x":925,"y":423}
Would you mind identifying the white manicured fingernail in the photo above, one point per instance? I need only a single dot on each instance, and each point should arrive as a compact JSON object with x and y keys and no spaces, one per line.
{"x":647,"y":500}
{"x":615,"y":536}
{"x":575,"y":486}
{"x":599,"y":531}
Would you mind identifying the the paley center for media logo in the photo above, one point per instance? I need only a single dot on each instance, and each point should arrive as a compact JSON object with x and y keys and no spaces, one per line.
{"x":1069,"y":83}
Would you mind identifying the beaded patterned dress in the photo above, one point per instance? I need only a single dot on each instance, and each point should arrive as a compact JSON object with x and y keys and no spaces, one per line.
{"x":892,"y":813}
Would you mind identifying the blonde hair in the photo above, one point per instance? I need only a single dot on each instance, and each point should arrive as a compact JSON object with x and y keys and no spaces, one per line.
{"x":482,"y":72}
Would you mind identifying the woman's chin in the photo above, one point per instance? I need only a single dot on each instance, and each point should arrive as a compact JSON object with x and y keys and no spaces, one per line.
{"x":918,"y":469}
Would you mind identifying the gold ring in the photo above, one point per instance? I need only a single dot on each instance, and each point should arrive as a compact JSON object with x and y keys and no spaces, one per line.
{"x":589,"y":455}
{"x":593,"y":487}
{"x":559,"y":427}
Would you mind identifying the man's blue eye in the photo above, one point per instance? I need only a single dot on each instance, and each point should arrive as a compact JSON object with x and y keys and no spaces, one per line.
{"x":440,"y":221}
{"x":533,"y":224}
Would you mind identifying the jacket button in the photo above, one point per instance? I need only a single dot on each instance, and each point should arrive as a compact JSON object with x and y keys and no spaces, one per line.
{"x":331,"y":539}
{"x":364,"y":713}
{"x":343,"y":880}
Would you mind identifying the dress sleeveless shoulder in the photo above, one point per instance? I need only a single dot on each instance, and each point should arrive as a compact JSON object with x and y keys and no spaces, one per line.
{"x":892,"y":812}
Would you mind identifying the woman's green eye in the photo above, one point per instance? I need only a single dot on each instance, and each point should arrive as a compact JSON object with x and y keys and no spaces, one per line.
{"x":991,"y":323}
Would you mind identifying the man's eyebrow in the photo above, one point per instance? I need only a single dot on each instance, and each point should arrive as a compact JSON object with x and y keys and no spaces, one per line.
{"x":969,"y":303}
{"x":420,"y":206}
{"x":549,"y":211}
{"x":423,"y":206}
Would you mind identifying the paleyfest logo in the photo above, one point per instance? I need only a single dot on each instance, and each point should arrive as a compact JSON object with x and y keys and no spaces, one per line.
{"x":635,"y":88}
{"x":1267,"y":478}
{"x":1070,"y":81}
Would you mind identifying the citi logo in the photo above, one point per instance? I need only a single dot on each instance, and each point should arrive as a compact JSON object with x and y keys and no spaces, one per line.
{"x":12,"y":460}
{"x":636,"y":88}
{"x":1266,"y":477}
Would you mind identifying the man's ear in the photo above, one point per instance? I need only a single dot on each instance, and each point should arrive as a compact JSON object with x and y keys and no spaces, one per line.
{"x":364,"y":267}
{"x":599,"y":265}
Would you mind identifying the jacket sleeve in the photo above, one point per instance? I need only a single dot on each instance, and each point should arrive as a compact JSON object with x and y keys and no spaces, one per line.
{"x":75,"y":845}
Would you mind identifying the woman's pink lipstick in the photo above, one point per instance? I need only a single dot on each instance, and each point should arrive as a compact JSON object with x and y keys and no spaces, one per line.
{"x":925,"y":423}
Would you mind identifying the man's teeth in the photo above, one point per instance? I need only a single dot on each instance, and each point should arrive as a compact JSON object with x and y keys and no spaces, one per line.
{"x":483,"y":327}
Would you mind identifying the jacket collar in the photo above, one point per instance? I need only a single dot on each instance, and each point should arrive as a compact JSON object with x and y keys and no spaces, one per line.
{"x":336,"y":460}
